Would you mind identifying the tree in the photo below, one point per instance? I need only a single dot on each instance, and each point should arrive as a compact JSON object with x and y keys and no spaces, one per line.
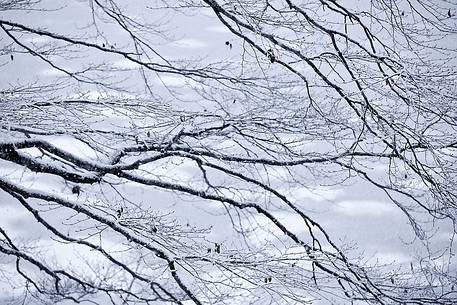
{"x":310,"y":94}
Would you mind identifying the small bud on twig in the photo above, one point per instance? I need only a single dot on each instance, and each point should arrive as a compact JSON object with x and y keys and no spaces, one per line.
{"x":271,"y":55}
{"x":119,"y":212}
{"x":76,"y":190}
